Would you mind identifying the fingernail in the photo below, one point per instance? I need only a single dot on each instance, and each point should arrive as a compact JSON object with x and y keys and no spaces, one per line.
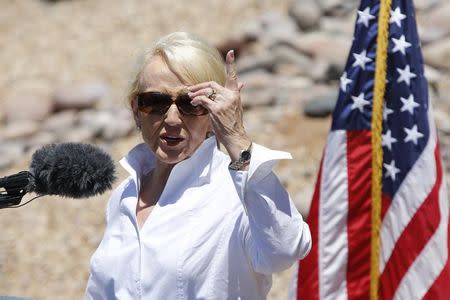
{"x":190,"y":94}
{"x":194,"y":103}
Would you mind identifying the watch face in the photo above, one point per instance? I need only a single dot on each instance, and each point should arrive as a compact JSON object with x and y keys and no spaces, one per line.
{"x":245,"y":155}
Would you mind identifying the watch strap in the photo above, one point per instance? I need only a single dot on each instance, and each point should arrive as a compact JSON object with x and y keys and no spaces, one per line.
{"x":244,"y":159}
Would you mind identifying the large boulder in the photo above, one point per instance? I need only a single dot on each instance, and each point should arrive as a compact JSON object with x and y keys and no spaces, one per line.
{"x":27,"y":107}
{"x":79,"y":96}
{"x":438,"y":54}
{"x":324,"y":46}
{"x":306,"y":13}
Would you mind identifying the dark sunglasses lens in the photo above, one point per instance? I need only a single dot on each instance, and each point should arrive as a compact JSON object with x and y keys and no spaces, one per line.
{"x":186,"y":108}
{"x":154,"y":103}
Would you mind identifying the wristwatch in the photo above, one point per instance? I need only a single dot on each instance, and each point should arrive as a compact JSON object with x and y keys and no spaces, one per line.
{"x":244,"y":159}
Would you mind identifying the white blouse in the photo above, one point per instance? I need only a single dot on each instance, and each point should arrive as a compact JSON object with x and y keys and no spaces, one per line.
{"x":214,"y":233}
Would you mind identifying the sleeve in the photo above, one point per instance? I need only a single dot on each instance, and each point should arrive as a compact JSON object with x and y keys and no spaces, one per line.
{"x":93,"y":292}
{"x":273,"y":234}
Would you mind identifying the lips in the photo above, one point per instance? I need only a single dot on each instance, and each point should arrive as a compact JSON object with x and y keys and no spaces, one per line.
{"x":171,"y":140}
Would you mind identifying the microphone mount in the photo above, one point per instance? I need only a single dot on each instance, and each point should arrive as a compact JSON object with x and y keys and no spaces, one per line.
{"x":14,"y":187}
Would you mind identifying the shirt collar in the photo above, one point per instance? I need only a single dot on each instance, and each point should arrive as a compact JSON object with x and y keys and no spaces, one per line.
{"x":195,"y":169}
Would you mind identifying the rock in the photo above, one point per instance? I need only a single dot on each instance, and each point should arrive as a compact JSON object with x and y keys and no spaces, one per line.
{"x":443,"y":88}
{"x":321,"y":106}
{"x":27,"y":107}
{"x":238,"y":43}
{"x":429,"y":35}
{"x":258,"y":89}
{"x":255,"y":98}
{"x":324,"y":46}
{"x":122,"y":126}
{"x":306,"y":13}
{"x":95,"y":120}
{"x":424,"y":5}
{"x":61,"y":121}
{"x":438,"y":54}
{"x":288,"y":89}
{"x":107,"y":124}
{"x":338,"y":7}
{"x":340,"y":26}
{"x":437,"y":17}
{"x":433,"y":75}
{"x":251,"y":63}
{"x":81,"y":96}
{"x":320,"y":70}
{"x":40,"y":139}
{"x":270,"y":27}
{"x":18,"y":130}
{"x":2,"y":116}
{"x":78,"y":135}
{"x":288,"y":56}
{"x":442,"y":121}
{"x":10,"y":152}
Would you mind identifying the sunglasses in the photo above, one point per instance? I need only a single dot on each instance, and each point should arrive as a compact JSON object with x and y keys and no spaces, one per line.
{"x":157,"y":103}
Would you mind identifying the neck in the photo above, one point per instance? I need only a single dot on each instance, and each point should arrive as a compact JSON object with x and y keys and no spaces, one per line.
{"x":161,"y":172}
{"x":153,"y":183}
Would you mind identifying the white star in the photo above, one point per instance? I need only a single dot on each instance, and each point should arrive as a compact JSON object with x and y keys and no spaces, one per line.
{"x":386,"y":112}
{"x":388,"y":140}
{"x":412,"y":134}
{"x":345,"y":81}
{"x":397,"y":17}
{"x":405,"y":75}
{"x":359,"y":102}
{"x":400,"y":45}
{"x":364,"y":17}
{"x":409,"y":104}
{"x":361,"y":59}
{"x":391,"y":170}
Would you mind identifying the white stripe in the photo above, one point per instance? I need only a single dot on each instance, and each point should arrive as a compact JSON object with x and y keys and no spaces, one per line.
{"x":429,"y":264}
{"x":413,"y":191}
{"x":333,"y":211}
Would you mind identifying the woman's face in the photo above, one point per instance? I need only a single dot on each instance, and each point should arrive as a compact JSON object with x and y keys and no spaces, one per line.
{"x":172,"y":137}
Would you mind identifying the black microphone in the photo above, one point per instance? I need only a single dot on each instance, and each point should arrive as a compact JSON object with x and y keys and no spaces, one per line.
{"x":69,"y":170}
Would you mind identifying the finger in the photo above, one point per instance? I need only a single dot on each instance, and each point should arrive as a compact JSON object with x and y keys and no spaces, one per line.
{"x":240,"y":86}
{"x":204,"y":101}
{"x":231,"y":80}
{"x":202,"y":92}
{"x":204,"y":85}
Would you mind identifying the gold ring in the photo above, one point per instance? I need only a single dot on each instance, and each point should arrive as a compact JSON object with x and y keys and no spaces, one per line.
{"x":212,"y":94}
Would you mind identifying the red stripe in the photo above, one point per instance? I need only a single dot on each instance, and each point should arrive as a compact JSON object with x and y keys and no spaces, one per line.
{"x":413,"y":239}
{"x":308,"y":276}
{"x":385,"y":204}
{"x":441,"y":287}
{"x":359,"y":161}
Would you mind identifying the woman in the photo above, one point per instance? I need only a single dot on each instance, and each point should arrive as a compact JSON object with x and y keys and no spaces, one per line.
{"x":191,"y":222}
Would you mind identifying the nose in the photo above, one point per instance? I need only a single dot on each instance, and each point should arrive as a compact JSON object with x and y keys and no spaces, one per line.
{"x":173,"y":116}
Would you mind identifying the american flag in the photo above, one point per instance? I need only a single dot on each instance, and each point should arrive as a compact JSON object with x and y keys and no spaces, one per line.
{"x":414,"y":232}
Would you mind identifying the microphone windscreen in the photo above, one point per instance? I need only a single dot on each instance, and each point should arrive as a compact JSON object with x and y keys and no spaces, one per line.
{"x":72,"y":170}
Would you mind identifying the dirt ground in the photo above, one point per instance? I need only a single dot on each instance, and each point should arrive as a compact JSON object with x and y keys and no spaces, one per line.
{"x":45,"y":247}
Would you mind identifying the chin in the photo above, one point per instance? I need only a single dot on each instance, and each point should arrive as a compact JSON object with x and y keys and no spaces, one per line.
{"x":170,"y":158}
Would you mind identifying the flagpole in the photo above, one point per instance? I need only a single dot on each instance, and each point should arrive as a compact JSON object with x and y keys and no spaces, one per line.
{"x":377,"y":151}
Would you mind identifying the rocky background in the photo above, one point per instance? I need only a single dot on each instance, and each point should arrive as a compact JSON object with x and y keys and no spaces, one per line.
{"x":65,"y":68}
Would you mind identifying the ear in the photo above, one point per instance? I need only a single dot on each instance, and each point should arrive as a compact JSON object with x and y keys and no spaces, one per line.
{"x":136,"y":113}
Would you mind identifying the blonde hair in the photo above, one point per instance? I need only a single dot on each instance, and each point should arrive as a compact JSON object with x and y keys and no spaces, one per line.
{"x":192,"y":59}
